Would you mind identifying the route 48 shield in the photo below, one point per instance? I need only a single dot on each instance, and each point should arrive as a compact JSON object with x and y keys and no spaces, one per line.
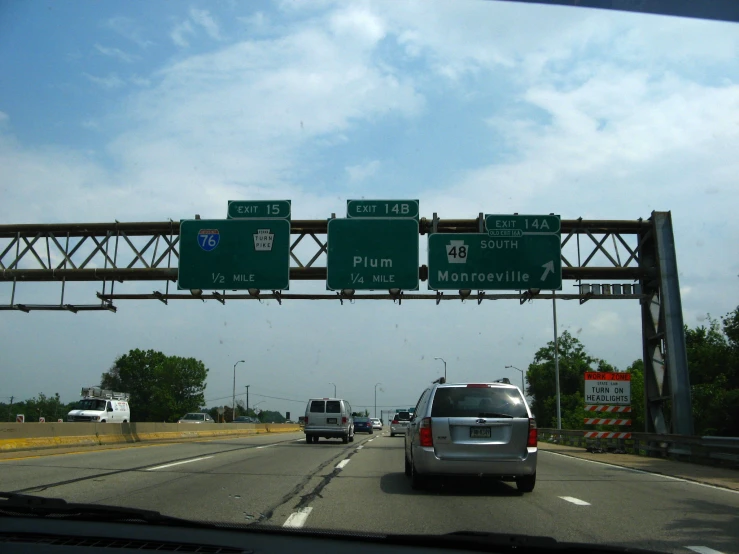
{"x":208,"y":239}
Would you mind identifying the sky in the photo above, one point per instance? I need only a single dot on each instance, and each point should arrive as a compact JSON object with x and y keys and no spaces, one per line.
{"x":146,"y":111}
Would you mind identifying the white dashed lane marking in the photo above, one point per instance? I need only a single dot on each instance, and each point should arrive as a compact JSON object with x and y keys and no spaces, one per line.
{"x":179,"y":463}
{"x":297,"y":519}
{"x":575,"y":500}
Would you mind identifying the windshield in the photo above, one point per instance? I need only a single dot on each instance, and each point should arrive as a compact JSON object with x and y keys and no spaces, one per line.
{"x":289,"y":212}
{"x":317,"y":407}
{"x":90,"y":404}
{"x":477,"y":402}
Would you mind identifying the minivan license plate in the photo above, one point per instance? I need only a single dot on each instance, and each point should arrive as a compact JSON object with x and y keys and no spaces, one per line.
{"x":331,"y":420}
{"x":480,"y":432}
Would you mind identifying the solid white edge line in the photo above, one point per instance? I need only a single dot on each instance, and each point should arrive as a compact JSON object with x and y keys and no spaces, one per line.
{"x":342,"y":463}
{"x":575,"y":500}
{"x":360,"y":447}
{"x":297,"y":519}
{"x":703,"y":550}
{"x":643,"y":471}
{"x":178,"y":463}
{"x":265,"y":446}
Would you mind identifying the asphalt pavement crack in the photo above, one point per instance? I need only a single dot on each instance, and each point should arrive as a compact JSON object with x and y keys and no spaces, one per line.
{"x":306,"y":498}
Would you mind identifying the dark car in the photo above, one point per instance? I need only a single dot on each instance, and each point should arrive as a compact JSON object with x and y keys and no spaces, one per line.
{"x":363,"y":425}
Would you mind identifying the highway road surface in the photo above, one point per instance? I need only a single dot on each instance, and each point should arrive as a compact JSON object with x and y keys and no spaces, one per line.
{"x":280,"y":480}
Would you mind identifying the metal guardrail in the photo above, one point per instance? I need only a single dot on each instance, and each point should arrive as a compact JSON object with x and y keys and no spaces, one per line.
{"x":712,"y":450}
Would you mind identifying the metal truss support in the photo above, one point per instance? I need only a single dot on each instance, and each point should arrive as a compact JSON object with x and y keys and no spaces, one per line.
{"x":666,"y":378}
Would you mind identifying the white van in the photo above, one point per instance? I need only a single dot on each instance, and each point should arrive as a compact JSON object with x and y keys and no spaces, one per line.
{"x":101,"y":406}
{"x":330,"y":418}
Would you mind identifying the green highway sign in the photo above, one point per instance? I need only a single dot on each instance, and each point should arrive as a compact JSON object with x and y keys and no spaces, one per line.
{"x":477,"y":261}
{"x":372,"y":254}
{"x":234,"y":254}
{"x":382,"y":208}
{"x":258,"y":209}
{"x":519,"y":225}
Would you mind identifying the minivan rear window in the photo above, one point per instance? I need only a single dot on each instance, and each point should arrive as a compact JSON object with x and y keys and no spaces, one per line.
{"x":404,"y":416}
{"x":333,"y":407}
{"x":317,"y":406}
{"x":477,"y":402}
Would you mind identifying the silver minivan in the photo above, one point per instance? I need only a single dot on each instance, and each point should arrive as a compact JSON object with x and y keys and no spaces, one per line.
{"x":330,"y":418}
{"x":472,"y":429}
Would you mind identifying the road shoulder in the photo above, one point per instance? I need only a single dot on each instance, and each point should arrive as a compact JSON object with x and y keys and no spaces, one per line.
{"x":708,"y":475}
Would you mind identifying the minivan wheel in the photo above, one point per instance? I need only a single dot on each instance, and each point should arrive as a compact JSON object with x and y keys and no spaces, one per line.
{"x":407,"y":467}
{"x":526,"y":483}
{"x":392,"y":434}
{"x":345,"y":439}
{"x":418,"y":482}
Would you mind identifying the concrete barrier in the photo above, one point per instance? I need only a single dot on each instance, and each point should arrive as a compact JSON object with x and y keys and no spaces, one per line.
{"x":28,"y":436}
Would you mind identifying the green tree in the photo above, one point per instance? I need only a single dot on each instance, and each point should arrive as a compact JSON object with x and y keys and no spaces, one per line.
{"x":574,"y":361}
{"x":637,"y":395}
{"x":48,"y":407}
{"x":713,"y":364}
{"x":162,"y":388}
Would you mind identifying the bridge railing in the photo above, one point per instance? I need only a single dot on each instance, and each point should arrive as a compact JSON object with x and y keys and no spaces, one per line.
{"x":707,"y":449}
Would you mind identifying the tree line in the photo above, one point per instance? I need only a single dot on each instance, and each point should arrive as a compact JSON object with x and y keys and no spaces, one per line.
{"x":713,"y":365}
{"x":164,"y":388}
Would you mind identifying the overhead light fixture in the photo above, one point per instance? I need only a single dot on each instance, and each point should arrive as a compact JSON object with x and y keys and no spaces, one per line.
{"x":465,"y":293}
{"x":196,"y":292}
{"x":348,"y":292}
{"x":254,"y":292}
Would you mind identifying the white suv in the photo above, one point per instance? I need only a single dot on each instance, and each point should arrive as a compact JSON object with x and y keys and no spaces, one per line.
{"x":399,"y":425}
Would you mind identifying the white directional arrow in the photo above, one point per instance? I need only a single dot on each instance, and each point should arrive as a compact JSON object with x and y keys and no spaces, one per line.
{"x":548,"y":268}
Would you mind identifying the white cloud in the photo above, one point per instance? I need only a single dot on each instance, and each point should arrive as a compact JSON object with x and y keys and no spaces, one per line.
{"x":3,"y":117}
{"x":129,"y":29}
{"x":360,"y":172}
{"x":115,"y":53}
{"x":606,"y":323}
{"x":207,"y":22}
{"x":140,"y":81}
{"x":112,"y":81}
{"x":179,"y":33}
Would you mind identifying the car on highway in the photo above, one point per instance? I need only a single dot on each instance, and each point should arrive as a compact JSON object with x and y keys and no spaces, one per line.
{"x":399,"y":424}
{"x":472,"y":429}
{"x":329,"y":418}
{"x":376,"y":423}
{"x":363,"y":425}
{"x":245,"y":419}
{"x":196,"y":418}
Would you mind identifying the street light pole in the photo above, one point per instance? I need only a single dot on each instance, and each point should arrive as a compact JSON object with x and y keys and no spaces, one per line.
{"x":233,"y":400}
{"x":334,"y":384}
{"x":247,"y":398}
{"x":376,"y":384}
{"x":443,"y":360}
{"x":522,"y":383}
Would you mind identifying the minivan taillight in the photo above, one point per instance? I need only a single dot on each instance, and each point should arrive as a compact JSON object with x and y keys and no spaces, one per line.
{"x":424,"y":432}
{"x":343,"y":420}
{"x":533,"y":434}
{"x":306,"y":420}
{"x":395,"y":421}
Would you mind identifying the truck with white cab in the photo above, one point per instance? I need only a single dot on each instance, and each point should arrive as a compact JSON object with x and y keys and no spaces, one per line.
{"x":100,"y":405}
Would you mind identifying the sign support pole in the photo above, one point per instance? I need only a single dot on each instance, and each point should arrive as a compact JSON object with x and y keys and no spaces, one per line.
{"x":556,"y":360}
